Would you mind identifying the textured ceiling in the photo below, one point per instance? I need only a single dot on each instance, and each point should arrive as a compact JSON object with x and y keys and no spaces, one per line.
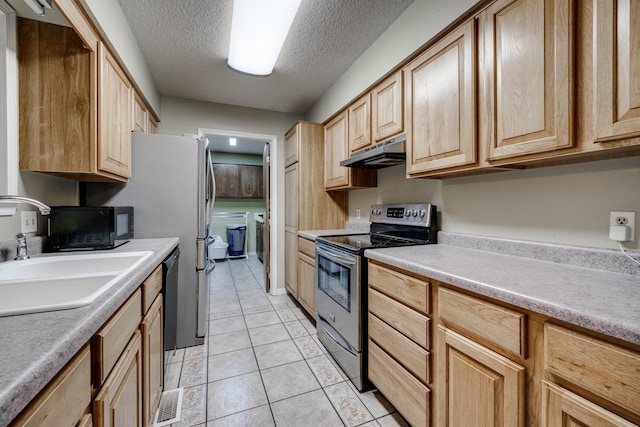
{"x":186,"y":44}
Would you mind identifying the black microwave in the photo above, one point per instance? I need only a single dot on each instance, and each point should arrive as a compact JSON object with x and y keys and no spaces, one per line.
{"x":89,"y":227}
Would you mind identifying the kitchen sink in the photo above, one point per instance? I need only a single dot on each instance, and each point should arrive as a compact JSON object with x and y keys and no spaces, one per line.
{"x":51,"y":283}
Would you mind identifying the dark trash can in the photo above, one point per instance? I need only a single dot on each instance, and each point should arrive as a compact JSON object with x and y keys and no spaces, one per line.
{"x":235,"y":238}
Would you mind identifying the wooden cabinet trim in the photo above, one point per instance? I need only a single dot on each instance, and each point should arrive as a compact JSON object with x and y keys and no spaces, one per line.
{"x":152,"y":360}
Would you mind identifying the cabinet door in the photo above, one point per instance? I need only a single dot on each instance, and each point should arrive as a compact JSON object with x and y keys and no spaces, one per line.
{"x":336,"y":149}
{"x":251,"y":182}
{"x":119,"y":401}
{"x":291,"y":263}
{"x":387,"y":118}
{"x":528,"y":77}
{"x":153,"y":354}
{"x":476,"y":386}
{"x":114,"y":123}
{"x":561,"y":408}
{"x":440,"y":104}
{"x":307,"y":283}
{"x":291,"y":199}
{"x":360,"y":123}
{"x":616,"y":92}
{"x":227,"y":179}
{"x":140,"y":120}
{"x":291,"y":146}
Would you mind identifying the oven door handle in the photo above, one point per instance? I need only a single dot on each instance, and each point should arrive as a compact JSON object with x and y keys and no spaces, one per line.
{"x":336,"y":257}
{"x":340,"y":341}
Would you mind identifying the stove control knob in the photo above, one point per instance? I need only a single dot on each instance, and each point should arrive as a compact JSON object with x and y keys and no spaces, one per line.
{"x":414,"y":213}
{"x":373,"y":212}
{"x":422,"y":213}
{"x":407,"y":213}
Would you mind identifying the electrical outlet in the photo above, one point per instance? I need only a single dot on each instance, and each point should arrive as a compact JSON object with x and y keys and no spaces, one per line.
{"x":29,"y":221}
{"x":623,"y":219}
{"x":357,"y":213}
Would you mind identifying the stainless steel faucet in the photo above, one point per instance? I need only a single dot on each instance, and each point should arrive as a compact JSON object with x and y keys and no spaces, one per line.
{"x":22,"y":248}
{"x":44,"y":209}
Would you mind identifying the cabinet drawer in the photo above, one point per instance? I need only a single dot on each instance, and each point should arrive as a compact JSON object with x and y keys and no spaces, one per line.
{"x":409,"y":354}
{"x":605,"y":369}
{"x":498,"y":325}
{"x":411,"y":323}
{"x":151,"y":287}
{"x":408,"y":395}
{"x":65,"y":399}
{"x":109,"y":342}
{"x":406,"y":289}
{"x":307,"y":247}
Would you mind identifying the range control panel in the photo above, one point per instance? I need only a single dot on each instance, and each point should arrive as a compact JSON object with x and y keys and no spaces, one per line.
{"x":419,"y":214}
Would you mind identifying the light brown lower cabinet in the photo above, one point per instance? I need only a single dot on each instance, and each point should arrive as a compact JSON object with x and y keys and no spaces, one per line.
{"x":153,"y":355}
{"x":561,"y":408}
{"x":119,"y":401}
{"x":122,"y":366}
{"x":492,"y":364}
{"x":307,"y":275}
{"x":65,"y":400}
{"x":475,"y":386}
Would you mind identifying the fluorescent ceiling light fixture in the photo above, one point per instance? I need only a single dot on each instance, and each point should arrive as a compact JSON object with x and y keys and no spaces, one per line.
{"x":232,"y":141}
{"x":38,"y":5}
{"x":258,"y":31}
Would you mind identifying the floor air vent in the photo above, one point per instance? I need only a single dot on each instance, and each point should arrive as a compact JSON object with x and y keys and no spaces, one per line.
{"x":169,"y":408}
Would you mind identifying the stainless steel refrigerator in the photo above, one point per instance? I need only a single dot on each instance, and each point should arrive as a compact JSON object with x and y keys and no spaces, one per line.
{"x":172,"y":192}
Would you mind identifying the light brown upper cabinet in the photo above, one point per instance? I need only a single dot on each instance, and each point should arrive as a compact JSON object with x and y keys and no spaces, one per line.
{"x":387,"y":119}
{"x":336,"y":149}
{"x":616,"y":91}
{"x":114,"y":123}
{"x":440,"y":104}
{"x":360,"y":123}
{"x":75,"y":101}
{"x":527,"y":78}
{"x":140,"y":121}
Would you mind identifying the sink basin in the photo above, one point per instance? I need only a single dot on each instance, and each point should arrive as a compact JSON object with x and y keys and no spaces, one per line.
{"x":52,"y":283}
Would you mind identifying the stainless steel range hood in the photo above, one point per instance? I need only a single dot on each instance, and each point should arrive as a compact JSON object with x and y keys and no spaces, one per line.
{"x":387,"y":153}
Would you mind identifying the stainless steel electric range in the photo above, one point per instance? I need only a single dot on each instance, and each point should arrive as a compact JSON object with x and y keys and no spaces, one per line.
{"x":341,"y":279}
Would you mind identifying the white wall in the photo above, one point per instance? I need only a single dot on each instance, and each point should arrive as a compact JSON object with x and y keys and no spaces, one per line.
{"x":563,"y":204}
{"x":181,"y":116}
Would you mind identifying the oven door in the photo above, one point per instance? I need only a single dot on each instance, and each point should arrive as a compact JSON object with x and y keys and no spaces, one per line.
{"x":338,"y":296}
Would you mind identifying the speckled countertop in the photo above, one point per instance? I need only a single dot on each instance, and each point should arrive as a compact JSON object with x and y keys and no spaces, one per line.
{"x":596,"y":299}
{"x":352,"y":227}
{"x":34,"y":347}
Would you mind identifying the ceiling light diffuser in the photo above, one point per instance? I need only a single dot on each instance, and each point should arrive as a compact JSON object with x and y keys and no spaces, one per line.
{"x":258,"y":31}
{"x":232,"y":141}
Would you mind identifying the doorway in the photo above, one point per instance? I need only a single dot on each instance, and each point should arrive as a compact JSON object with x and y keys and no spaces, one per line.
{"x":234,"y":150}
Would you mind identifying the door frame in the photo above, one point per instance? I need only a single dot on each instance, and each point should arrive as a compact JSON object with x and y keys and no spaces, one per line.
{"x":275,"y":271}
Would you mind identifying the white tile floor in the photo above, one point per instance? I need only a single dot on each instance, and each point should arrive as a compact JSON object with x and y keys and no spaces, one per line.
{"x":262,"y":364}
